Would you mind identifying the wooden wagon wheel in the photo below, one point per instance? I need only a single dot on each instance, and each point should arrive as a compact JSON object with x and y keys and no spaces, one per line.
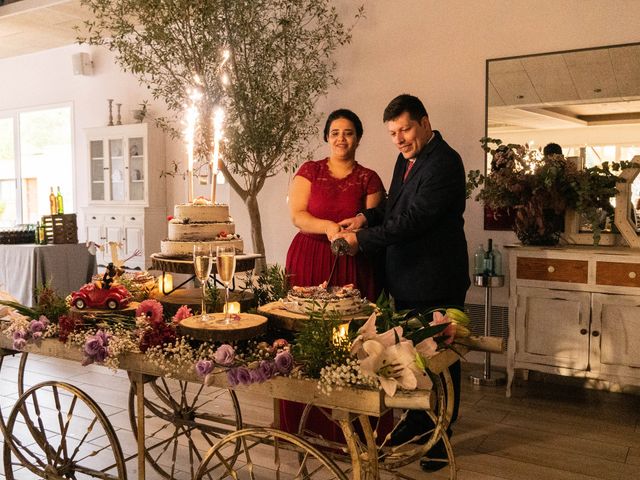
{"x":65,"y":436}
{"x":277,"y":454}
{"x":182,"y":421}
{"x":19,"y":378}
{"x":364,"y":436}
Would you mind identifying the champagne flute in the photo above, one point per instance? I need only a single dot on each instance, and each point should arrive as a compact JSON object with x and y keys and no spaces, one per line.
{"x":226,"y":265}
{"x":202,"y":263}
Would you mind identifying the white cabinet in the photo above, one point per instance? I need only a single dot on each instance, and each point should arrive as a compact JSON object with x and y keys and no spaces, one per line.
{"x":576,"y":312}
{"x":127,"y":202}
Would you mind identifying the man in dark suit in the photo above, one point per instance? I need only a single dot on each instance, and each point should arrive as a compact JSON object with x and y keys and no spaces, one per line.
{"x":420,"y":229}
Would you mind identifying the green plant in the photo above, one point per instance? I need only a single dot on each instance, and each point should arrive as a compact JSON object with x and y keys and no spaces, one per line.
{"x":271,"y":285}
{"x":280,"y":63}
{"x":539,"y":189}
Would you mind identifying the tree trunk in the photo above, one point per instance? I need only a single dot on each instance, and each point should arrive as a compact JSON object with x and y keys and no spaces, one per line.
{"x":256,"y":231}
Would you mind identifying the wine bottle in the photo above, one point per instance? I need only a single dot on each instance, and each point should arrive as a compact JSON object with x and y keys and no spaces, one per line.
{"x":489,"y":260}
{"x":42,"y":234}
{"x":53,"y":204}
{"x":478,"y":260}
{"x":59,"y":202}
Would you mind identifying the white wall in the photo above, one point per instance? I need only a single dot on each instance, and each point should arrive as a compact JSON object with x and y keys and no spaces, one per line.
{"x":433,"y":49}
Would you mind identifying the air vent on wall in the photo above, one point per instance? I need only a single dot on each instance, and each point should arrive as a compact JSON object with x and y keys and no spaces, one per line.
{"x":499,"y":320}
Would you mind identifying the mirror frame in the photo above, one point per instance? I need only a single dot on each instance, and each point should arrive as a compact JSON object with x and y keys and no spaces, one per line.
{"x":623,"y":199}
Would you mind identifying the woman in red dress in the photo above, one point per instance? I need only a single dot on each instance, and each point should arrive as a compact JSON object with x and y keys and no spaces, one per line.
{"x":322,"y":193}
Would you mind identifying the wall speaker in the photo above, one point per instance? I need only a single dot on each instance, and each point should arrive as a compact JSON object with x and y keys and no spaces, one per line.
{"x":82,"y":64}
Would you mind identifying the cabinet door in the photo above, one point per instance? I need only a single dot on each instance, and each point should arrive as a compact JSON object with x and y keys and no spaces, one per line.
{"x":117,"y":175}
{"x":134,"y":240}
{"x":552,"y":327}
{"x":615,"y":335}
{"x":98,"y":168}
{"x":136,"y":168}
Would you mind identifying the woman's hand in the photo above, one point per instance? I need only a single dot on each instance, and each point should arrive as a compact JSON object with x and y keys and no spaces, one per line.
{"x":353,"y":223}
{"x":331,"y":230}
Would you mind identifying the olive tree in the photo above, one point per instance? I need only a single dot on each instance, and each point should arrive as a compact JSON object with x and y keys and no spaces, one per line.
{"x":280,"y":63}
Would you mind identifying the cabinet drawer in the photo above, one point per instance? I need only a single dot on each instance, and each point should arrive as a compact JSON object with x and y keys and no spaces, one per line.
{"x":552,"y":270}
{"x":94,"y":218}
{"x":618,"y":274}
{"x":134,"y":220}
{"x":110,"y":219}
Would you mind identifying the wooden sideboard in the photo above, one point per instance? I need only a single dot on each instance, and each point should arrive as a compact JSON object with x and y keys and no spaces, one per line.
{"x":575,"y":311}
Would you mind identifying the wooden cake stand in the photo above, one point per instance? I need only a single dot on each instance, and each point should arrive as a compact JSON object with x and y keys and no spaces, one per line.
{"x":244,"y":327}
{"x":282,"y":318}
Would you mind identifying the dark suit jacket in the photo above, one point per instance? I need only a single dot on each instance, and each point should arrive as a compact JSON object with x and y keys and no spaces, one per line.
{"x":422,"y":228}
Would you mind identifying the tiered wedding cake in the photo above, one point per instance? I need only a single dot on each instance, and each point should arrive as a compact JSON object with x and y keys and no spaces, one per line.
{"x":200,"y":222}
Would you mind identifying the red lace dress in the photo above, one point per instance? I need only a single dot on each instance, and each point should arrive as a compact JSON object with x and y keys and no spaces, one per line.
{"x":309,"y":259}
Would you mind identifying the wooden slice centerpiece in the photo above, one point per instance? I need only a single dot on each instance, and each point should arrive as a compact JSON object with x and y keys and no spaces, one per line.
{"x":280,"y":317}
{"x":243,"y":326}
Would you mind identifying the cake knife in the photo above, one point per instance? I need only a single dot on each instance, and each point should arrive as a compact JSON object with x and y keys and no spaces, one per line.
{"x":338,"y":247}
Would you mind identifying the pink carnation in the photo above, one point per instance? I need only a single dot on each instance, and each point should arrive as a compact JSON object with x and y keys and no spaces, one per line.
{"x":182,"y":313}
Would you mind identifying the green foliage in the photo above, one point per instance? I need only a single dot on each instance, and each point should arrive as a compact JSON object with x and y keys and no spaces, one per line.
{"x":280,"y":64}
{"x":388,"y":317}
{"x":213,"y":296}
{"x":271,"y":285}
{"x":318,"y":346}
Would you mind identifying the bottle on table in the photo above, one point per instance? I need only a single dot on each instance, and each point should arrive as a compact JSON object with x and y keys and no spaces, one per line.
{"x":53,"y":203}
{"x":478,"y":260}
{"x":59,"y":202}
{"x":497,"y":261}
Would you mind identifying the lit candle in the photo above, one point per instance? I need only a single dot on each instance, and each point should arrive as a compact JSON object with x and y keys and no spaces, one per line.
{"x":340,"y":333}
{"x":233,"y":307}
{"x":165,"y":283}
{"x":218,"y":118}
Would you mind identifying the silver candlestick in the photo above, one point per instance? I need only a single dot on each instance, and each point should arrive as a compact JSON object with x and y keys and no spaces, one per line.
{"x":119,"y":106}
{"x":110,"y":100}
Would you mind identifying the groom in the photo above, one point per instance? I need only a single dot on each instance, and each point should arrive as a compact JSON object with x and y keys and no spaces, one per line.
{"x":420,"y":229}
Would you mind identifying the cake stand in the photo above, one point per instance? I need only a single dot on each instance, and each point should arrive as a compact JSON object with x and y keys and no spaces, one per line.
{"x":243,"y":326}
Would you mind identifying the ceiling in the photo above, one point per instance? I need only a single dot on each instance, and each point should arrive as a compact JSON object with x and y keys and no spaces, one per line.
{"x":565,"y":90}
{"x":29,"y":26}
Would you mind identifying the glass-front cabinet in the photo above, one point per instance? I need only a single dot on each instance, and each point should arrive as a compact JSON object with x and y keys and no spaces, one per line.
{"x":118,"y":157}
{"x":127,"y":194}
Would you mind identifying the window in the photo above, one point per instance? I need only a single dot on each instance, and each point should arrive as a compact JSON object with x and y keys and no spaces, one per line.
{"x":35,"y":156}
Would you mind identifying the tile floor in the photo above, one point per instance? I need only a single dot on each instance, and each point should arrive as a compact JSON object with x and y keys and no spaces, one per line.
{"x":546,"y":431}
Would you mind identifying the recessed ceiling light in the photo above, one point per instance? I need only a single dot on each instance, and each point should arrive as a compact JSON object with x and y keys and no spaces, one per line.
{"x":597,"y":90}
{"x":519,"y":97}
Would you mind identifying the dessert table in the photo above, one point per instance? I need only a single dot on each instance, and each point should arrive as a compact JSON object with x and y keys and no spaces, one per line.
{"x":26,"y":266}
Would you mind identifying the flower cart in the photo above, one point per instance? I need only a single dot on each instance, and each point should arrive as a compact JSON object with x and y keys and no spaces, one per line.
{"x":233,"y":443}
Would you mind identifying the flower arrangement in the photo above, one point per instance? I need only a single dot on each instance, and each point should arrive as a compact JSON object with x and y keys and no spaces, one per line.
{"x":539,"y":189}
{"x":389,"y":351}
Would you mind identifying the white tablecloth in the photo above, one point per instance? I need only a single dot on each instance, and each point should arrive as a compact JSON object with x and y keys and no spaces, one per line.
{"x":67,"y":267}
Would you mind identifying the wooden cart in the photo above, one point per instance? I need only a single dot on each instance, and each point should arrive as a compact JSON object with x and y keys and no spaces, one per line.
{"x":170,"y":418}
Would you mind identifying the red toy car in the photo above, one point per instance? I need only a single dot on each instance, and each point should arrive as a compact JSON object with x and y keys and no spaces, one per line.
{"x":92,"y":296}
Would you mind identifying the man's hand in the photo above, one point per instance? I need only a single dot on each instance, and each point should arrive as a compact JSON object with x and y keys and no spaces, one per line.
{"x":354,"y":223}
{"x":351,"y":239}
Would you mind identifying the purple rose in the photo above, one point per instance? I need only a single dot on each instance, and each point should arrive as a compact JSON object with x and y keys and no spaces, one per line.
{"x":232,"y":377}
{"x":225,"y":354}
{"x":243,"y":375}
{"x":93,"y":345}
{"x":37,"y":335}
{"x":204,"y":367}
{"x":258,"y":375}
{"x":19,"y":334}
{"x":284,"y":362}
{"x":19,"y":343}
{"x":267,"y":368}
{"x":38,"y":326}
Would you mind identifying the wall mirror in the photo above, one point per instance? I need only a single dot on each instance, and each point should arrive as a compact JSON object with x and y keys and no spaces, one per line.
{"x":588,"y":101}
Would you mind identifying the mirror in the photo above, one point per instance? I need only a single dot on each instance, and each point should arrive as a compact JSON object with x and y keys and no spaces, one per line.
{"x":587,"y":101}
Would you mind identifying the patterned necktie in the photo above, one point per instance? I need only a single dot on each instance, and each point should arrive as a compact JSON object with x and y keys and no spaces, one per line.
{"x":409,"y":167}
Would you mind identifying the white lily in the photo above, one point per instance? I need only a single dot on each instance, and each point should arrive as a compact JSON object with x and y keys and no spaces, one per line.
{"x":368,"y":332}
{"x":393,"y":365}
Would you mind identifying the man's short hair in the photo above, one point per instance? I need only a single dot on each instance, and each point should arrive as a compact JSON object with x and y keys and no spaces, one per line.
{"x":343,"y":113}
{"x":405,"y":103}
{"x":552,"y":149}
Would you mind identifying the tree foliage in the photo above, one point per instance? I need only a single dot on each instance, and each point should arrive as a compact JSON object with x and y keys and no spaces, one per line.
{"x":280,"y":64}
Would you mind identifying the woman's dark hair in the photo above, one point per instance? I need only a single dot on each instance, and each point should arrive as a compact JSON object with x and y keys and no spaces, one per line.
{"x":405,"y":103}
{"x":343,"y":113}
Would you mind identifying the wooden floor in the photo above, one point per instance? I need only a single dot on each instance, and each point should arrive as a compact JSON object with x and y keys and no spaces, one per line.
{"x":545,"y":431}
